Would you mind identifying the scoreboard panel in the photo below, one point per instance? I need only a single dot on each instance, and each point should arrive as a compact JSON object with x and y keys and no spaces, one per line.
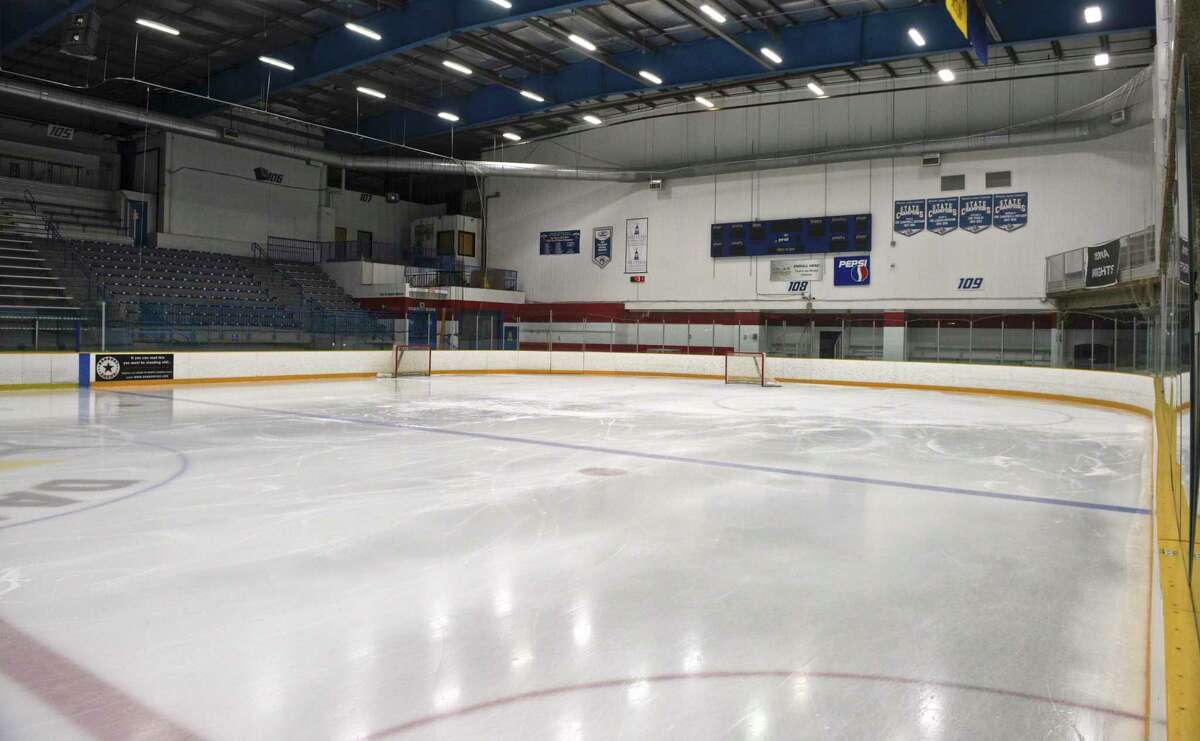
{"x":815,"y":235}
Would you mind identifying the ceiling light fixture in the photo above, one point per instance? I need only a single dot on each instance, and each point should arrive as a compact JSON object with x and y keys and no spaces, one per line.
{"x":277,"y":63}
{"x":533,"y":96}
{"x":446,"y":116}
{"x":1101,"y":59}
{"x":769,"y":53}
{"x":705,"y":102}
{"x":371,"y":91}
{"x":946,"y":74}
{"x":916,"y":37}
{"x":158,"y":26}
{"x":364,"y":31}
{"x":512,"y":137}
{"x":464,"y":69}
{"x":712,"y":12}
{"x":593,"y":120}
{"x":816,"y":89}
{"x":1093,"y":14}
{"x":650,"y":76}
{"x":503,"y":4}
{"x":580,"y":41}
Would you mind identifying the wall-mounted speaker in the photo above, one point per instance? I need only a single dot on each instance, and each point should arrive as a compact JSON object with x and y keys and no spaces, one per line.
{"x":81,"y":35}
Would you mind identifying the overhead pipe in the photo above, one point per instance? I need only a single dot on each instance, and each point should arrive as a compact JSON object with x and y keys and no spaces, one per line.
{"x":1046,"y":131}
{"x":201,"y":130}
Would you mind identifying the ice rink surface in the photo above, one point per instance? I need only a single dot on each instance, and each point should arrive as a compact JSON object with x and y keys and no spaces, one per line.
{"x":571,"y":559}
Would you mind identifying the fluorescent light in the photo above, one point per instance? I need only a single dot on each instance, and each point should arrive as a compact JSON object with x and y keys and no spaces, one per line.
{"x":276,"y":63}
{"x":816,"y":90}
{"x":1101,"y":59}
{"x":712,"y":12}
{"x":364,"y":31}
{"x":705,"y":102}
{"x":1093,"y":14}
{"x":512,"y":137}
{"x":593,"y":120}
{"x":456,"y":66}
{"x":769,"y":53}
{"x":503,"y":4}
{"x":446,"y":116}
{"x":371,"y":91}
{"x":946,"y":74}
{"x":916,"y":37}
{"x":158,"y":26}
{"x":578,"y":40}
{"x":650,"y":76}
{"x":533,"y":96}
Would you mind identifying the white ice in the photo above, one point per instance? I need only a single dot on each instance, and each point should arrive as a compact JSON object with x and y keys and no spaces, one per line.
{"x":571,"y":558}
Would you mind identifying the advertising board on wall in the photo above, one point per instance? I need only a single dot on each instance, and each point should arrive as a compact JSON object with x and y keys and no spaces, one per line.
{"x":852,"y":271}
{"x":113,"y":367}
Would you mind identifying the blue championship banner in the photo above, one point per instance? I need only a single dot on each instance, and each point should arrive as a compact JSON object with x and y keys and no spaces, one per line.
{"x":942,"y":215}
{"x":602,"y":246}
{"x":560,"y":243}
{"x":1011,"y":211}
{"x":975,"y":213}
{"x":852,"y":271}
{"x":910,"y":217}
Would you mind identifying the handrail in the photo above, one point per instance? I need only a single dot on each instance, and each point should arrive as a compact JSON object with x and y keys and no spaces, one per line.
{"x":52,"y":230}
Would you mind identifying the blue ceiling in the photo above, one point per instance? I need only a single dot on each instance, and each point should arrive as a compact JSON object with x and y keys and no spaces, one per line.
{"x":812,"y":38}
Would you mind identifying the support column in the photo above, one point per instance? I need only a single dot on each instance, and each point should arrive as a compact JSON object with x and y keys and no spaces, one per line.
{"x":894,"y":336}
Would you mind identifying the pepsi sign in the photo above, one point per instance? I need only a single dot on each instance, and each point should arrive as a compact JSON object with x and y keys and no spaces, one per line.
{"x":852,"y":271}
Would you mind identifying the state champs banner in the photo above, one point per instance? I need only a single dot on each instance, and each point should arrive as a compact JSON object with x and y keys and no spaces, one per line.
{"x":942,"y":215}
{"x":910,"y":217}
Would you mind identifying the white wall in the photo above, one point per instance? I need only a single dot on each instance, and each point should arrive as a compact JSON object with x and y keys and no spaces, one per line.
{"x":1079,"y":194}
{"x":212,"y":201}
{"x":38,"y":368}
{"x":1133,"y":390}
{"x":209,"y":191}
{"x":387,"y":222}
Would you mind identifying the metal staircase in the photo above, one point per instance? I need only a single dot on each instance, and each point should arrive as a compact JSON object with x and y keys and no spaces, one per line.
{"x":27,"y":282}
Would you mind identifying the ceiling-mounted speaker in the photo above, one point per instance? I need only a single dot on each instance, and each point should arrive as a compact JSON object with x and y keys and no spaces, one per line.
{"x":81,"y":35}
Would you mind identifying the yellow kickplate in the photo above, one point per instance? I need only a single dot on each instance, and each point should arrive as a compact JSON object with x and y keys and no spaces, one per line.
{"x":1181,"y":639}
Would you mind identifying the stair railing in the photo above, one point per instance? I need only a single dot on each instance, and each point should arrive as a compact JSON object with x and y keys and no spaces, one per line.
{"x":52,"y":230}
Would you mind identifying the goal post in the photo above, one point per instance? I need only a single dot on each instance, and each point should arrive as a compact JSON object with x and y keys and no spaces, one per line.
{"x":747,"y":367}
{"x":411,"y":360}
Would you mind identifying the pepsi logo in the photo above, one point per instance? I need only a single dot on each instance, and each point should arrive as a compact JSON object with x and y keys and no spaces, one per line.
{"x":852,"y":271}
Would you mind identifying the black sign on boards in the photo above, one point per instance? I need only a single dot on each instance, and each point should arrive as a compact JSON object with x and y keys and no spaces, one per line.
{"x":112,"y":367}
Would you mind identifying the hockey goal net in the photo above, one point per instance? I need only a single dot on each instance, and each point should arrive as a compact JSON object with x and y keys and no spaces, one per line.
{"x":747,"y":367}
{"x":411,"y":360}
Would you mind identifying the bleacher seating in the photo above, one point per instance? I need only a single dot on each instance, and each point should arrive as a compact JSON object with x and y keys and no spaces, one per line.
{"x":317,"y":286}
{"x":182,"y":287}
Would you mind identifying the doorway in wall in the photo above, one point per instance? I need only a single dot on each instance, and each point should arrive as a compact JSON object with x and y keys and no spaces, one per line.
{"x":479,"y":330}
{"x":829,"y":344}
{"x":422,"y":328}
